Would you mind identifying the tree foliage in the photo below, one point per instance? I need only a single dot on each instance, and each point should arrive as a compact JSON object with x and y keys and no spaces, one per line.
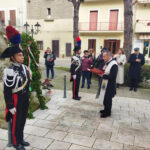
{"x":35,"y":83}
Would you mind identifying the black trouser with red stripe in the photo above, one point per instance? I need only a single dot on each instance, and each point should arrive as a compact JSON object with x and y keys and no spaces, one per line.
{"x":76,"y":85}
{"x":21,"y":101}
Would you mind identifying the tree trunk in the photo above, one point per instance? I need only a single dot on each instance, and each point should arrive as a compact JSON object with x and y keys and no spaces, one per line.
{"x":128,"y":27}
{"x":3,"y":43}
{"x":76,"y":23}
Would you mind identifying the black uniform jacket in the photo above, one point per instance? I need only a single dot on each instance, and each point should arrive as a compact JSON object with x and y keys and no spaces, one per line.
{"x":14,"y":77}
{"x":111,"y":86}
{"x":135,"y":67}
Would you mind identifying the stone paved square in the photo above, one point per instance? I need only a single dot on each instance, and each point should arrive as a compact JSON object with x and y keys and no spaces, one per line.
{"x":59,"y":145}
{"x":77,"y":125}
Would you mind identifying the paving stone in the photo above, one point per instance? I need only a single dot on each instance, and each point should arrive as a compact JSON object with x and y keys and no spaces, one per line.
{"x":59,"y":145}
{"x":80,"y":140}
{"x":123,"y":139}
{"x":62,"y":127}
{"x":33,"y":130}
{"x":46,"y":124}
{"x":39,"y":142}
{"x":78,"y":147}
{"x":101,"y":134}
{"x":81,"y":130}
{"x":42,"y":115}
{"x":57,"y":135}
{"x":31,"y":121}
{"x":142,"y":142}
{"x":91,"y":124}
{"x":3,"y":134}
{"x":131,"y":147}
{"x":3,"y":144}
{"x":55,"y":118}
{"x":103,"y":144}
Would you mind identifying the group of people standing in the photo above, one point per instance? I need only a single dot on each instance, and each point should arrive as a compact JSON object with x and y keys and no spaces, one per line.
{"x":113,"y":67}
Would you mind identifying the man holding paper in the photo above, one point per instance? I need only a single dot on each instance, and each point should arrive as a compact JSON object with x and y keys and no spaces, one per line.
{"x":108,"y":83}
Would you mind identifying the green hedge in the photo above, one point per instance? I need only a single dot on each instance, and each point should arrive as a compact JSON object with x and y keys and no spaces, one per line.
{"x":145,"y":76}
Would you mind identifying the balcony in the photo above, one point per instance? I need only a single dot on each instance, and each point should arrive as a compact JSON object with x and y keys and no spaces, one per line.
{"x":143,"y":1}
{"x":142,"y":26}
{"x":101,"y":27}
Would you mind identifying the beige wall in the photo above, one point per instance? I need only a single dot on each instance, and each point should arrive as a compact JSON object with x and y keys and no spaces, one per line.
{"x":103,"y":8}
{"x":59,"y":29}
{"x":141,"y":13}
{"x":37,"y":9}
{"x":19,"y":6}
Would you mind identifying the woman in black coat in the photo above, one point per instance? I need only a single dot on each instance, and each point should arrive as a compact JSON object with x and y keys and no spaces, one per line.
{"x":136,"y":61}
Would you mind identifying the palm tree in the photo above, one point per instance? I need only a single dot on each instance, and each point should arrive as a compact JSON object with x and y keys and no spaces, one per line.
{"x":128,"y":27}
{"x":76,"y":5}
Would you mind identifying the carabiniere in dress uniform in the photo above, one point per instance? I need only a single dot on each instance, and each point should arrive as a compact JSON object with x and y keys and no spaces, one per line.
{"x":16,"y":90}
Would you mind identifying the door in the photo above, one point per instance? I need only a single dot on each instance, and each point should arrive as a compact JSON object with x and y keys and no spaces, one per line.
{"x":93,"y":20}
{"x":113,"y":21}
{"x":55,"y":47}
{"x":112,"y":45}
{"x":92,"y":45}
{"x":68,"y":49}
{"x":12,"y":18}
{"x":2,"y":17}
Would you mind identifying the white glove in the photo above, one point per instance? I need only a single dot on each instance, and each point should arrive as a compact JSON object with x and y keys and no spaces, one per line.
{"x":74,"y":77}
{"x":13,"y":110}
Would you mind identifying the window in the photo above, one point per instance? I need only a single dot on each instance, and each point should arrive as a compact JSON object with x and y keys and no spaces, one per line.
{"x":40,"y":45}
{"x":48,"y":11}
{"x":93,"y":20}
{"x":2,"y":17}
{"x":113,"y":21}
{"x":12,"y":21}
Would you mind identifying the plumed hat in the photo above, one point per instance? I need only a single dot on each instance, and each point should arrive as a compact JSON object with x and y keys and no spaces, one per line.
{"x":78,"y":40}
{"x":15,"y":39}
{"x":78,"y":46}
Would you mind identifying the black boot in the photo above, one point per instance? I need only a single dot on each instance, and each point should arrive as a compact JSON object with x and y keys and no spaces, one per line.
{"x":25,"y":143}
{"x":19,"y":147}
{"x":135,"y":89}
{"x":105,"y":115}
{"x":101,"y":111}
{"x":130,"y":89}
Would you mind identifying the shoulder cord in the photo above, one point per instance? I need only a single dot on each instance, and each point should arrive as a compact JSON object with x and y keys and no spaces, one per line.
{"x":13,"y":80}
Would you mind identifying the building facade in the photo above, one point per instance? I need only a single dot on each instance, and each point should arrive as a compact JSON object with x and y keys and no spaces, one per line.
{"x":13,"y":13}
{"x":56,"y":20}
{"x":141,"y":17}
{"x":101,"y":24}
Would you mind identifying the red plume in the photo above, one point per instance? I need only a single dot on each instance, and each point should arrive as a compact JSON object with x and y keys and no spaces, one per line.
{"x":10,"y":32}
{"x":78,"y":39}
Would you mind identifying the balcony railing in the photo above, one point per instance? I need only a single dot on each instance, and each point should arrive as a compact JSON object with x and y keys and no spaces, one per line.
{"x":143,"y":1}
{"x":101,"y":26}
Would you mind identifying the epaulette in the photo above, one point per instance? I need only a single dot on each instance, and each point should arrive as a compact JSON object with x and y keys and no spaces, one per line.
{"x":9,"y":76}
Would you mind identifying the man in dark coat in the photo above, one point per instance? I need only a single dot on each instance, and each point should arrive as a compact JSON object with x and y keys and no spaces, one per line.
{"x":111,"y":70}
{"x":136,"y":61}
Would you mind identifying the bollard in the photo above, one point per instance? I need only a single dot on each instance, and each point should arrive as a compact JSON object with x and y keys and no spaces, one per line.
{"x":10,"y":144}
{"x":65,"y":86}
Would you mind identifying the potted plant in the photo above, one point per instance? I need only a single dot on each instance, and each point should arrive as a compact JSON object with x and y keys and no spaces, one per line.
{"x":63,"y":55}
